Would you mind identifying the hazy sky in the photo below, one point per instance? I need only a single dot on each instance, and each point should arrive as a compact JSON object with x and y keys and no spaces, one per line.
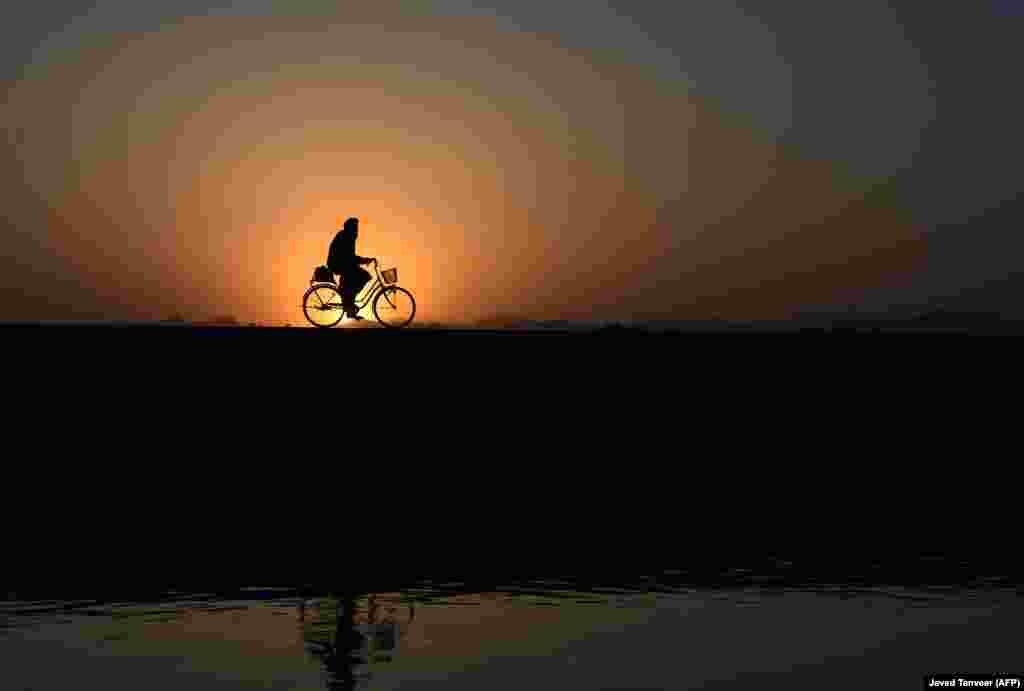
{"x":558,"y":159}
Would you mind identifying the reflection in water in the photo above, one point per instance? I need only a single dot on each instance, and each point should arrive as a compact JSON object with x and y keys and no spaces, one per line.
{"x":764,"y":627}
{"x":347,"y":640}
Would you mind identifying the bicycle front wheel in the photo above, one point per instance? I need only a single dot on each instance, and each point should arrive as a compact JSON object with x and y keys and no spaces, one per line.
{"x":394,"y":307}
{"x":322,"y":305}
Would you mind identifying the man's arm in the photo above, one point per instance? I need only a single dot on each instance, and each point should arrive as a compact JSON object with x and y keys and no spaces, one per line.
{"x":363,"y":260}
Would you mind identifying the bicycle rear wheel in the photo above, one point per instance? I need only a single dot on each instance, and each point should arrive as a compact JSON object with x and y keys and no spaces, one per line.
{"x":394,"y":307}
{"x":322,"y":305}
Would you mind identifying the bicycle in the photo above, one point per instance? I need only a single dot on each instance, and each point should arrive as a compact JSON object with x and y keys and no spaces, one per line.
{"x":394,"y":307}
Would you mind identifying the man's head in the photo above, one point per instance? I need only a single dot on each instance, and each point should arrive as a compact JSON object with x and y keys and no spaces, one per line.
{"x":352,"y":225}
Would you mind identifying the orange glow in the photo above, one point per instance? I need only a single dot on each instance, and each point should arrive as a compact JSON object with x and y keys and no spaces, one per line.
{"x":213,"y":162}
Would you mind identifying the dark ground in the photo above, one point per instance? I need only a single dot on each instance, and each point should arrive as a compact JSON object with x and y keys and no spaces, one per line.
{"x":152,"y":457}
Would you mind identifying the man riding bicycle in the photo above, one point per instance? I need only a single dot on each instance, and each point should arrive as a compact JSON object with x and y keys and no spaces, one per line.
{"x":343,"y":261}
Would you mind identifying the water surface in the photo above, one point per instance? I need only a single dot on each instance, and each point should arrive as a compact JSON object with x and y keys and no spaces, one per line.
{"x":655,"y":632}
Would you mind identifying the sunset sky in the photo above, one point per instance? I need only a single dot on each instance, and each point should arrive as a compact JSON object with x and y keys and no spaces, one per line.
{"x":574,"y":159}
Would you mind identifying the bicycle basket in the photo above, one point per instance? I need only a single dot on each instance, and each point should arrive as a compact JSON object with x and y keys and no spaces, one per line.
{"x":389,"y":275}
{"x":322,"y":274}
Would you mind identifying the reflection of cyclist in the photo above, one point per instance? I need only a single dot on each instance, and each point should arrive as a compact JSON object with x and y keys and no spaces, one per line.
{"x":340,"y":656}
{"x":383,"y":632}
{"x":349,"y":648}
{"x":343,"y":260}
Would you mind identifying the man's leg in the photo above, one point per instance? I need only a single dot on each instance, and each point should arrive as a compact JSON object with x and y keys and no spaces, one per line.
{"x":360,"y":280}
{"x":348,"y":293}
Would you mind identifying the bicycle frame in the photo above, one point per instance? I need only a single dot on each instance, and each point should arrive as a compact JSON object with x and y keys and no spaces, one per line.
{"x":369,"y":293}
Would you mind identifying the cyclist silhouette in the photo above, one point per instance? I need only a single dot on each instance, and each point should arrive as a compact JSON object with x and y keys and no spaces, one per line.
{"x":343,"y":261}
